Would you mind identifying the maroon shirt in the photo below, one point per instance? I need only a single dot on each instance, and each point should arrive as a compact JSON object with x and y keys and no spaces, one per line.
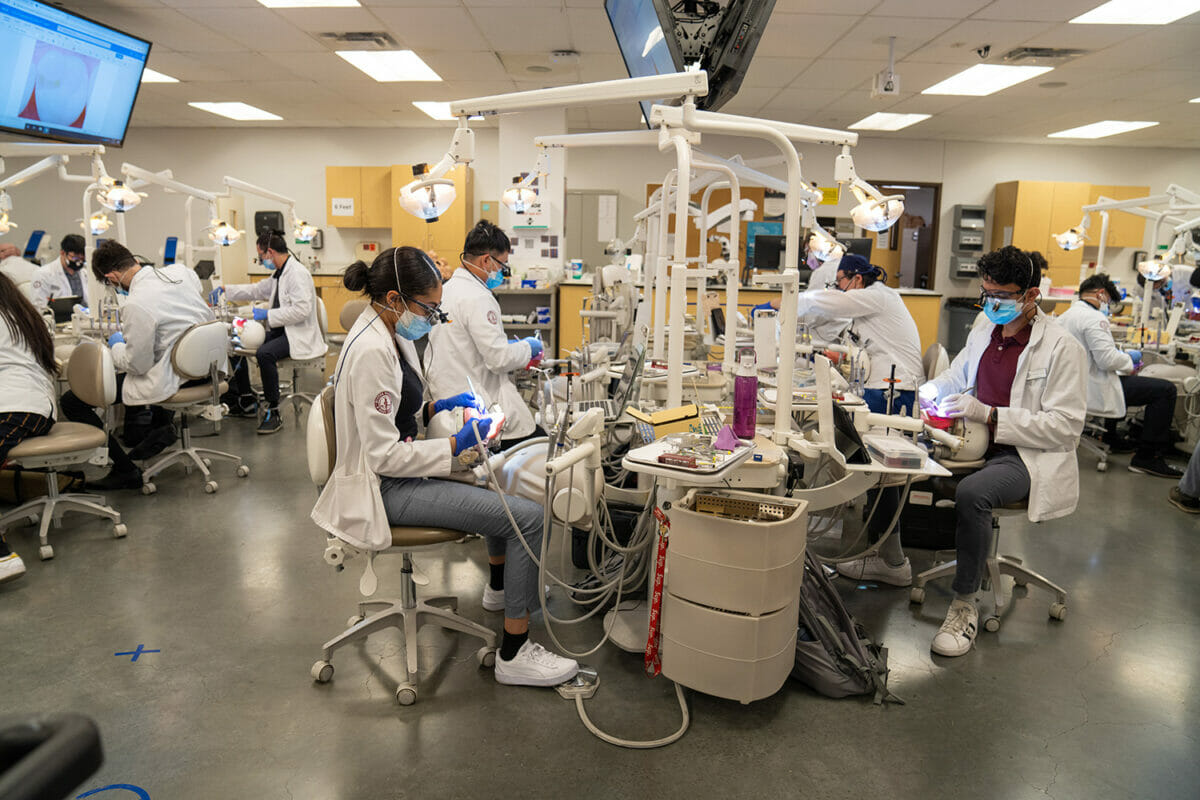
{"x":998,"y":368}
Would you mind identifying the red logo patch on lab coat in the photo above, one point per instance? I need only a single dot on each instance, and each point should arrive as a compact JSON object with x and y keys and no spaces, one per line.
{"x":492,"y":318}
{"x":383,"y":402}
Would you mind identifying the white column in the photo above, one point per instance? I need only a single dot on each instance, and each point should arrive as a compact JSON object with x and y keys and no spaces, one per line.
{"x":518,"y":154}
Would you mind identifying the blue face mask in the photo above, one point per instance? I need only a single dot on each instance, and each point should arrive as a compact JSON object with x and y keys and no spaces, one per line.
{"x":410,"y":326}
{"x":1104,"y":309}
{"x":121,"y":290}
{"x":1001,"y":312}
{"x":494,"y":279}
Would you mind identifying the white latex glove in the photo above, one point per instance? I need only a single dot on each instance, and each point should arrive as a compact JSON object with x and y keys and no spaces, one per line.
{"x":928,"y":392}
{"x":965,"y":405}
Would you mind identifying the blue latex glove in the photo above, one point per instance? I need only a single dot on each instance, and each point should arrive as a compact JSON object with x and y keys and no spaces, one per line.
{"x":464,"y":400}
{"x":1136,"y":355}
{"x":115,"y":339}
{"x":214,"y":297}
{"x":762,"y":307}
{"x":260,"y":315}
{"x":466,"y":438}
{"x":535,"y":346}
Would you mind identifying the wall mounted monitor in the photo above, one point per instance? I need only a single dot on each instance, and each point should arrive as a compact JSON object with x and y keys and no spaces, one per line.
{"x":645,"y":31}
{"x":65,"y":77}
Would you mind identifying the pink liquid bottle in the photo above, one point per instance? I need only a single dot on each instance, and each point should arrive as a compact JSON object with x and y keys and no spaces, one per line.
{"x":745,"y":398}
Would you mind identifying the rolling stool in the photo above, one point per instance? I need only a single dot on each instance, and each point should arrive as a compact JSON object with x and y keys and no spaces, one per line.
{"x":317,"y":362}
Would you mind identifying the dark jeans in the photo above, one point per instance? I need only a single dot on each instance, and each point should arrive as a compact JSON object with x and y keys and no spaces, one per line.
{"x":268,"y":356}
{"x":1158,"y":396}
{"x":889,"y":497}
{"x":16,"y":427}
{"x":1002,"y":480}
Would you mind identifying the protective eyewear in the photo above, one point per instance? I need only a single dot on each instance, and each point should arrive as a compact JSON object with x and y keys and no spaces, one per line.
{"x":433,"y":314}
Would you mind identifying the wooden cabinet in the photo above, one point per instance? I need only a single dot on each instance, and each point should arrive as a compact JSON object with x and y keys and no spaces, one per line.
{"x":1124,"y":230}
{"x":720,"y":197}
{"x":445,"y":234}
{"x":358,"y":197}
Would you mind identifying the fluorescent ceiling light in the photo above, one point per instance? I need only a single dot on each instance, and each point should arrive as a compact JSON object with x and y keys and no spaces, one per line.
{"x":885,"y":121}
{"x":1138,"y":12}
{"x":437,"y":110}
{"x":1194,"y":100}
{"x":238,"y":111}
{"x":985,"y":79}
{"x":1098,"y":130}
{"x":387,"y":66}
{"x":154,"y":76}
{"x":309,"y":3}
{"x":898,"y":186}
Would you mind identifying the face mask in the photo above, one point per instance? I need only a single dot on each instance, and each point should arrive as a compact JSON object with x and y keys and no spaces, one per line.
{"x":1001,"y":312}
{"x":494,"y":279}
{"x":1104,"y":309}
{"x":121,"y":290}
{"x":412,"y":327}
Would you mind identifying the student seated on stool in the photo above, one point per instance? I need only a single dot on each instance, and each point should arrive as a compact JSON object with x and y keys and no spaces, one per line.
{"x":1028,"y":375}
{"x":1087,"y":321}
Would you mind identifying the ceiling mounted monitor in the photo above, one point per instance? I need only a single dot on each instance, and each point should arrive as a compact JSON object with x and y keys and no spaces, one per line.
{"x":645,"y":31}
{"x":66,"y":78}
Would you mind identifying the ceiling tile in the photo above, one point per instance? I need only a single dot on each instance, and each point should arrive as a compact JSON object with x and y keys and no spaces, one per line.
{"x":868,"y":39}
{"x":318,"y":20}
{"x":801,"y":35}
{"x":168,"y":27}
{"x":257,"y":29}
{"x":434,"y":28}
{"x":827,"y":73}
{"x":533,"y":28}
{"x":325,"y":67}
{"x":928,"y":8}
{"x":1036,"y":10}
{"x":469,"y":65}
{"x":749,"y":102}
{"x":959,"y":43}
{"x":590,"y":31}
{"x":596,"y":67}
{"x":771,"y":72}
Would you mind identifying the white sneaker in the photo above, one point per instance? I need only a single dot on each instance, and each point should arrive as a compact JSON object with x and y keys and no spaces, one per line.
{"x":11,"y":567}
{"x":493,"y":600}
{"x":958,"y":631}
{"x":534,"y":665}
{"x":874,"y":568}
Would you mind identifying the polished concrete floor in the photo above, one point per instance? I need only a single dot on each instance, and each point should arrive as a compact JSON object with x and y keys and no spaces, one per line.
{"x":232,"y":592}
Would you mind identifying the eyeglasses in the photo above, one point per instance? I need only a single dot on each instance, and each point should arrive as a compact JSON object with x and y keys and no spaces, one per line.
{"x":985,"y":295}
{"x":433,"y":313}
{"x":504,"y":270}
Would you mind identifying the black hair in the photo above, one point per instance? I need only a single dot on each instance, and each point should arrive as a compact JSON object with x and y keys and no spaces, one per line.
{"x":486,"y":238}
{"x":1101,"y":281}
{"x":111,"y":256}
{"x":1012,"y":265}
{"x":26,"y":325}
{"x":853,"y":264}
{"x":416,"y":272}
{"x":272,"y":240}
{"x":73,"y":243}
{"x":1194,"y":280}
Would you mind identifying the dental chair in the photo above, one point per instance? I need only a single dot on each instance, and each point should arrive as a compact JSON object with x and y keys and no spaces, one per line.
{"x":316,"y":362}
{"x":93,"y":380}
{"x":409,"y":613}
{"x":351,"y":311}
{"x":935,"y":361}
{"x":200,"y":353}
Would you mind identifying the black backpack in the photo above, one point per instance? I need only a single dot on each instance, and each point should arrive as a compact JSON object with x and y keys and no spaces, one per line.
{"x":834,"y":654}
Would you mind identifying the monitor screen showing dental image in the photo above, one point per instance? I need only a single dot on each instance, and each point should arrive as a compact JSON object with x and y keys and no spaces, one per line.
{"x":65,"y":77}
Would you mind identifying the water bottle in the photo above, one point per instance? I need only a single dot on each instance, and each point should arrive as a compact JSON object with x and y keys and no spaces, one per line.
{"x":745,"y":398}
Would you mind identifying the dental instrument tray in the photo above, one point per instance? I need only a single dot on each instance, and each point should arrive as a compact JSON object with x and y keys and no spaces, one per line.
{"x":689,"y":453}
{"x":895,"y":451}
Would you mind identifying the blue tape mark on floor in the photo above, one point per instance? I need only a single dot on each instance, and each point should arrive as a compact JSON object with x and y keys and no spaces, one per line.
{"x":141,"y":650}
{"x":137,"y":791}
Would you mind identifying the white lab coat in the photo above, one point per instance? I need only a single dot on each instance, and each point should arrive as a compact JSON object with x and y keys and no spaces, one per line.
{"x":1105,"y":397}
{"x":369,"y":383}
{"x":473,"y":345}
{"x":297,"y":312}
{"x":161,"y":305}
{"x":50,"y":282}
{"x":1046,"y":411}
{"x":24,"y":385}
{"x":884,"y":326}
{"x":826,"y":329}
{"x":21,"y":273}
{"x":826,"y":273}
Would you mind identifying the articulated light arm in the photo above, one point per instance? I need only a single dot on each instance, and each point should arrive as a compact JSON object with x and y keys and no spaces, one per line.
{"x":428,"y":197}
{"x":874,"y":211}
{"x":521,"y":194}
{"x":675,"y":84}
{"x":302,"y":231}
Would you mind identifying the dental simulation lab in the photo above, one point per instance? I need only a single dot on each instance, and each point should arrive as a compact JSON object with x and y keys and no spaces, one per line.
{"x":581,"y":398}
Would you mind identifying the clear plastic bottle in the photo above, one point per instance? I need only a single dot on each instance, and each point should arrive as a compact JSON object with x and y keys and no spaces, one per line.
{"x":745,"y":398}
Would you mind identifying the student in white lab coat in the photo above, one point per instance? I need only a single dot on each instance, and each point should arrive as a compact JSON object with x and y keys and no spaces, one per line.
{"x":293,"y":328}
{"x":1112,"y":387}
{"x":823,"y":275}
{"x":161,"y":305}
{"x":18,"y":270}
{"x":27,"y":390}
{"x":474,"y":346}
{"x":384,"y":474}
{"x":1025,"y":377}
{"x":64,"y":276}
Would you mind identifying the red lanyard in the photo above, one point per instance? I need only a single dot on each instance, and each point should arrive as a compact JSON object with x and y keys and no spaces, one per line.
{"x":653,"y":659}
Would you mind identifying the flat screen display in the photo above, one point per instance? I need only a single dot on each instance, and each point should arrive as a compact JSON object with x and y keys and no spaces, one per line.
{"x":645,"y":32}
{"x":65,"y":77}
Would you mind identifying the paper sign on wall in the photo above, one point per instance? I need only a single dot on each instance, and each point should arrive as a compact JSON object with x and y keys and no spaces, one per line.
{"x":341,"y":206}
{"x":606,"y":222}
{"x":830,"y":195}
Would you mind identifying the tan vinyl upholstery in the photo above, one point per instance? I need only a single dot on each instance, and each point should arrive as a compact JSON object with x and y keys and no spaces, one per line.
{"x":87,"y":376}
{"x":417,"y":537}
{"x":330,"y":430}
{"x":64,"y":437}
{"x":200,"y":345}
{"x":350,"y":312}
{"x":192,"y":395}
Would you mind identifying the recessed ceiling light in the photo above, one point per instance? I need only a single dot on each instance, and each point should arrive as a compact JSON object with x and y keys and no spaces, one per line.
{"x":436,"y":110}
{"x":1098,"y":130}
{"x":885,"y":121}
{"x":309,"y":3}
{"x":153,"y":76}
{"x":1194,"y":100}
{"x":387,"y":66}
{"x":238,"y":111}
{"x":1138,"y":12}
{"x":985,"y":79}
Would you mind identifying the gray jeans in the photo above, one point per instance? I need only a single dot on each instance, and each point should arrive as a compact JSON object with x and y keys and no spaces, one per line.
{"x":471,"y":509}
{"x":1189,"y":484}
{"x":1002,"y":480}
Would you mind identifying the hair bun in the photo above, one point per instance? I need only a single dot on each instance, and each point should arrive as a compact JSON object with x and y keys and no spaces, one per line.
{"x":355,"y":276}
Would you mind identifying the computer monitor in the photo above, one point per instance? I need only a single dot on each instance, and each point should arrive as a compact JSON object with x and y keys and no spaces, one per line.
{"x":67,"y":78}
{"x":860,"y":247}
{"x":63,"y":307}
{"x":768,"y":251}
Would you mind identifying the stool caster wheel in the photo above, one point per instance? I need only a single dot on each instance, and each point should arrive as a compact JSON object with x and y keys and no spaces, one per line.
{"x":322,"y":672}
{"x":210,"y":487}
{"x":992,"y":624}
{"x":243,"y":470}
{"x":1020,"y":583}
{"x":1102,"y":466}
{"x":120,"y":530}
{"x":406,"y":694}
{"x":1058,"y":611}
{"x":46,"y":552}
{"x":486,"y":656}
{"x":916,"y":595}
{"x":357,"y":618}
{"x":149,"y":488}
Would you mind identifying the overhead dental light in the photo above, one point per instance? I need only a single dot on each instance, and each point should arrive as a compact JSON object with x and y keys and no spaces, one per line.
{"x":118,"y":197}
{"x":824,"y":246}
{"x":5,"y":225}
{"x":302,"y":231}
{"x":875,"y":211}
{"x":97,"y":224}
{"x":429,"y":197}
{"x":223,"y":233}
{"x":1073,"y":238}
{"x":521,"y":195}
{"x":1156,"y":267}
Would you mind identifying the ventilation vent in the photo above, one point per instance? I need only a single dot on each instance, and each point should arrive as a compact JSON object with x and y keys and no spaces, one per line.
{"x":360,"y":40}
{"x":1043,"y":56}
